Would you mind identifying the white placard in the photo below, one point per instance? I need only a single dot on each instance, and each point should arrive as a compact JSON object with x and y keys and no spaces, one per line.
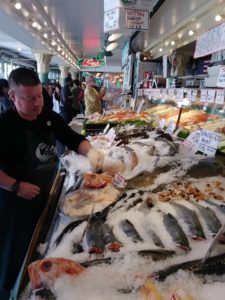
{"x":180,"y":95}
{"x":171,"y":94}
{"x":209,"y":142}
{"x":194,"y":95}
{"x":191,"y":143}
{"x":220,"y":94}
{"x":136,"y":19}
{"x":119,"y":181}
{"x":211,"y":96}
{"x":111,"y":135}
{"x":112,"y":20}
{"x":164,"y":94}
{"x":221,"y":78}
{"x":171,"y":127}
{"x":189,"y":95}
{"x":203,"y":97}
{"x":162,"y":123}
{"x":210,"y":41}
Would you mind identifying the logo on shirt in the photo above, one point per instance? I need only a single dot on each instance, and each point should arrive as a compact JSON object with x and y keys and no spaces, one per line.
{"x":45,"y":152}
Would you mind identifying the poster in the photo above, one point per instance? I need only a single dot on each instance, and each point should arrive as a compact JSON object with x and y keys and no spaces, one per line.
{"x":136,"y":19}
{"x":210,"y":41}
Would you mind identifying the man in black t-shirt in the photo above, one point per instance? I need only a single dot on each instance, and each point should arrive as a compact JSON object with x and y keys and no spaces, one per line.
{"x":28,"y":163}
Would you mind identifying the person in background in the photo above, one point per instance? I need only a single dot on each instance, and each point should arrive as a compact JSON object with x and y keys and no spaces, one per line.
{"x":48,"y":99}
{"x":93,"y":99}
{"x":79,"y":95}
{"x":28,"y":163}
{"x":66,"y":101}
{"x":4,"y":97}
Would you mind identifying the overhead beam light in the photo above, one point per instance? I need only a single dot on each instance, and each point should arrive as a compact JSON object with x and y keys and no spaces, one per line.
{"x":166,"y":43}
{"x":18,"y":5}
{"x":172,"y":43}
{"x":191,"y":32}
{"x":160,"y":50}
{"x":53,"y":43}
{"x":19,"y":49}
{"x":111,"y":46}
{"x":45,"y":35}
{"x":114,"y":37}
{"x":218,"y":18}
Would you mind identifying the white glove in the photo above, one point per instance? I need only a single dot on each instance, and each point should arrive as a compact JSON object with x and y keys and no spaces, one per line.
{"x":95,"y":158}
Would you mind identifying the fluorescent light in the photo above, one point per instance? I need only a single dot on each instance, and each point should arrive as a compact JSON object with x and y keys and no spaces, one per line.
{"x":218,"y":18}
{"x":45,"y":35}
{"x":160,"y":50}
{"x":166,"y":43}
{"x":191,"y":32}
{"x":19,"y":49}
{"x":18,"y":5}
{"x":114,"y":37}
{"x":172,"y":43}
{"x":111,"y":46}
{"x":34,"y":24}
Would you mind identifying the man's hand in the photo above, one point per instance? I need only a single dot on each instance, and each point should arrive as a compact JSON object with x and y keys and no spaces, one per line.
{"x":28,"y":191}
{"x":96,"y":158}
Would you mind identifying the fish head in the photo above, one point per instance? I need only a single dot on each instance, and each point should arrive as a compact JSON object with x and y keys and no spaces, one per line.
{"x":44,"y":272}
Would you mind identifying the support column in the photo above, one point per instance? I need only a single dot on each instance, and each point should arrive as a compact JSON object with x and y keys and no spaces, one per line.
{"x":64,"y":74}
{"x":43,"y":61}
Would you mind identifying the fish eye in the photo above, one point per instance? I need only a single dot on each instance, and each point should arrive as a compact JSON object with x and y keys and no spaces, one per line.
{"x":46,"y":266}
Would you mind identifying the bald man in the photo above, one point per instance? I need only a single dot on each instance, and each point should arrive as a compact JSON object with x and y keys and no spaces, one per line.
{"x":92,"y":98}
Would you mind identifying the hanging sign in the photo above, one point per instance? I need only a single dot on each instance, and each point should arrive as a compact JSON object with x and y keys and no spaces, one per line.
{"x":221,"y":78}
{"x":203,"y":97}
{"x":220,"y":94}
{"x":136,"y":19}
{"x":112,"y":19}
{"x":180,"y":95}
{"x":91,"y":61}
{"x":189,"y":95}
{"x":194,"y":95}
{"x":211,"y":96}
{"x":210,"y":41}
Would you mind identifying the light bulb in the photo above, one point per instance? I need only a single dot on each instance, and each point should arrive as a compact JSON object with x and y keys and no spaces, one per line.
{"x":34,"y":24}
{"x":18,"y":5}
{"x":172,"y":43}
{"x":160,"y":50}
{"x":191,"y":32}
{"x":218,"y":18}
{"x":45,"y":35}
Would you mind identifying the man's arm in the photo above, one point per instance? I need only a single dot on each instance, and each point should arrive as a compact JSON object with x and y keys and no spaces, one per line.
{"x":26,"y":190}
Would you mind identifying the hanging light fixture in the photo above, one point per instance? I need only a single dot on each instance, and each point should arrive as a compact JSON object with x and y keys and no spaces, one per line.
{"x":114,"y":37}
{"x":111,"y":46}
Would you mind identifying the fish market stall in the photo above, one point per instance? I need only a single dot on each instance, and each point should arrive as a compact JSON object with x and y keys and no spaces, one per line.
{"x":140,"y":229}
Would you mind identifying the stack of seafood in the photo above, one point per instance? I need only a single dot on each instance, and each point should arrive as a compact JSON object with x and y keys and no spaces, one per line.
{"x":149,"y":241}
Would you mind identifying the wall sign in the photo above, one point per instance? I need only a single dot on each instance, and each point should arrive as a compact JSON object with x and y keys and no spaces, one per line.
{"x":112,"y":19}
{"x":136,"y":19}
{"x":221,"y":78}
{"x":210,"y":41}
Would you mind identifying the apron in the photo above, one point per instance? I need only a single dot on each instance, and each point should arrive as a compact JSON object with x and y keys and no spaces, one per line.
{"x":18,"y":216}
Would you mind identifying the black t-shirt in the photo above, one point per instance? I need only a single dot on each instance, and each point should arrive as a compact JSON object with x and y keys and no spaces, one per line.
{"x":66,"y":96}
{"x":13,"y":133}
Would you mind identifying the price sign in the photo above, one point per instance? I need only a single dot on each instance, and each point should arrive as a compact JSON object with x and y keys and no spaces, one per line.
{"x":164,"y":94}
{"x":209,"y":142}
{"x":191,"y":143}
{"x":111,"y":20}
{"x":162,"y":123}
{"x":221,"y":78}
{"x":220,"y":94}
{"x":180,"y":95}
{"x":119,"y":181}
{"x":203,"y":97}
{"x":194,"y":95}
{"x":171,"y":94}
{"x":171,"y":127}
{"x":157,"y":93}
{"x":189,"y":95}
{"x":211,"y":96}
{"x":111,"y":135}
